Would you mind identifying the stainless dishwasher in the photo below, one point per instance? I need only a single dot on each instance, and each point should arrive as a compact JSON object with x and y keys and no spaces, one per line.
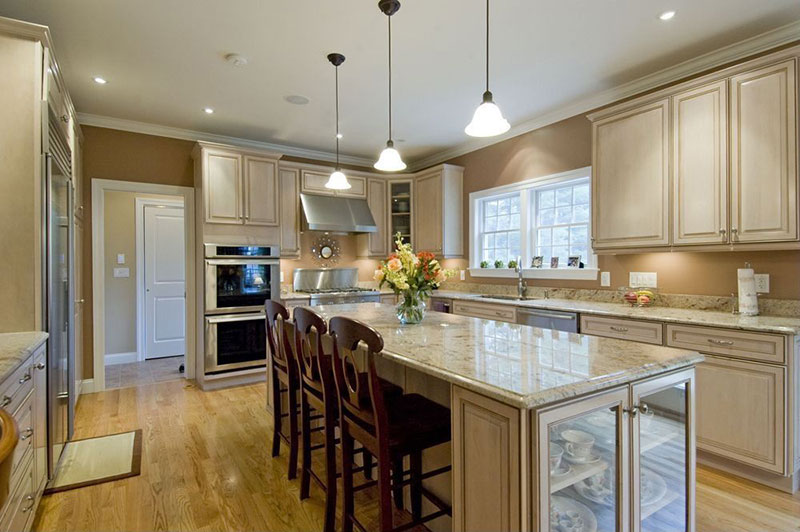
{"x":548,"y":319}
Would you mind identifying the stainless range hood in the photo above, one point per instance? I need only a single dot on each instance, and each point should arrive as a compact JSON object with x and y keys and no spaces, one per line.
{"x":337,"y":214}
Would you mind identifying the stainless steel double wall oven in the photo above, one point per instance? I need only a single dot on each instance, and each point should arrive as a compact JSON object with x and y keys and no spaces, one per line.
{"x":239,"y":278}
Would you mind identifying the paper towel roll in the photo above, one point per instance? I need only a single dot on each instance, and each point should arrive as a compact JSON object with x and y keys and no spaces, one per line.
{"x":748,"y":299}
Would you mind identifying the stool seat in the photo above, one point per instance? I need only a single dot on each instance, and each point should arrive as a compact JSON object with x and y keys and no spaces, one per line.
{"x":416,"y":422}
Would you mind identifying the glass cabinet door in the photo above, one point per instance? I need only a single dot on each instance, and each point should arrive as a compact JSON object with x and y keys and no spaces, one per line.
{"x":401,"y":210}
{"x":583,"y":465}
{"x":663,"y":453}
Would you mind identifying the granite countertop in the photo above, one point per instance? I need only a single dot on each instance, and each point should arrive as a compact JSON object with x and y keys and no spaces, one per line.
{"x":293,"y":296}
{"x":16,"y":347}
{"x":522,"y":366}
{"x":773,"y":324}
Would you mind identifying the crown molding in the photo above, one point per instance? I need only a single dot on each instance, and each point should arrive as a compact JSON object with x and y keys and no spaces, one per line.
{"x":145,"y":128}
{"x":728,"y":54}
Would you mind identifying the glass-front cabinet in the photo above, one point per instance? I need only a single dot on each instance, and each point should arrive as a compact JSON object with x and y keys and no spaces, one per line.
{"x":401,"y":206}
{"x":622,"y":460}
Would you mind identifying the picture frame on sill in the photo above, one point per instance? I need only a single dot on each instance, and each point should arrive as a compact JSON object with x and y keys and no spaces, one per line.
{"x":553,"y":263}
{"x":574,"y":261}
{"x":537,"y":261}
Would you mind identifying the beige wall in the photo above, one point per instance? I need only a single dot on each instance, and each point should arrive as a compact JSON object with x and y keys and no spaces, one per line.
{"x":120,"y":304}
{"x":566,"y":145}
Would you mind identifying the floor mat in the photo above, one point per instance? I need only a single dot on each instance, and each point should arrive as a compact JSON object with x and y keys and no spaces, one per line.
{"x":97,"y":460}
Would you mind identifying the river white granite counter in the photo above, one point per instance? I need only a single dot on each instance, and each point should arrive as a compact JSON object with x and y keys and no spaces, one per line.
{"x":519,"y":365}
{"x":16,"y":347}
{"x":294,"y":296}
{"x":773,"y":324}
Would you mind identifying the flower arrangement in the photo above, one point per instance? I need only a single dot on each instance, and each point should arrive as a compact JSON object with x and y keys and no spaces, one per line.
{"x":412,"y":276}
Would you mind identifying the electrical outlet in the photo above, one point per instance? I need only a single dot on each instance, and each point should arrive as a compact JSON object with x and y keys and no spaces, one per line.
{"x":281,"y":276}
{"x":122,"y":272}
{"x":643,"y":279}
{"x":463,"y":276}
{"x":762,"y":283}
{"x":605,"y":278}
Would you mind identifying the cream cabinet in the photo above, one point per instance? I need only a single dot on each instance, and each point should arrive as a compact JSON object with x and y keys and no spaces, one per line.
{"x":376,"y":245}
{"x":700,"y":165}
{"x":238,"y":187}
{"x":289,"y":185}
{"x":764,"y":154}
{"x":630,"y":177}
{"x":438,"y":208}
{"x":313,"y":182}
{"x":488,"y":311}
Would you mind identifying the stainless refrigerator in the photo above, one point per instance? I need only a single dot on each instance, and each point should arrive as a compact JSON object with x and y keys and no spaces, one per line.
{"x":59,"y":283}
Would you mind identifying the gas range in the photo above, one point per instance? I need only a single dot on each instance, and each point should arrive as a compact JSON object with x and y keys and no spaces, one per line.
{"x":332,"y":286}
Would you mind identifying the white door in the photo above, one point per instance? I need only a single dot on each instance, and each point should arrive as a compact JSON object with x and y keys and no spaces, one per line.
{"x":164,"y":280}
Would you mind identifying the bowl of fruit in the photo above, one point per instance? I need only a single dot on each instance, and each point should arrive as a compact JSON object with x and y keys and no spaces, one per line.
{"x":639,"y":297}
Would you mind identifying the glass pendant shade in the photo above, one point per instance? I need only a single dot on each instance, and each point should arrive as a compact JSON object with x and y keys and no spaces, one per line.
{"x":338,"y":181}
{"x":487,"y":121}
{"x":390,"y":160}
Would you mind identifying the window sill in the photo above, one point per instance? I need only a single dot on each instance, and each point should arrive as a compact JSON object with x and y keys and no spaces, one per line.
{"x":580,"y":274}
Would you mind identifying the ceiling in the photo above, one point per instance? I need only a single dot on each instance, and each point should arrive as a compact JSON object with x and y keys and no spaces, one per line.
{"x":164,"y":60}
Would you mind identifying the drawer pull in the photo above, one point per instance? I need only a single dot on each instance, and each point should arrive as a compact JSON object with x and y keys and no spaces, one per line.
{"x":27,"y":434}
{"x":618,"y":329}
{"x":720,"y":342}
{"x":25,"y":378}
{"x":40,"y":365}
{"x":32,"y":500}
{"x":5,"y":402}
{"x":498,"y":313}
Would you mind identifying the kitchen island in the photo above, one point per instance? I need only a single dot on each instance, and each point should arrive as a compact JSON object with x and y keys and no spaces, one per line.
{"x":548,"y":428}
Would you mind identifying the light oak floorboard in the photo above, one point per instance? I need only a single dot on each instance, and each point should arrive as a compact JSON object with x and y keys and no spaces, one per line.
{"x":206,"y":466}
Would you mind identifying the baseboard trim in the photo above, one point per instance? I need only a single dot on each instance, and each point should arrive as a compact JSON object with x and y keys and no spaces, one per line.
{"x":787,"y":484}
{"x":120,"y":358}
{"x":87,"y":386}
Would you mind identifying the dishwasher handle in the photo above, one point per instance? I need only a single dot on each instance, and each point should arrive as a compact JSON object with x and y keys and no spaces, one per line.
{"x":548,"y":314}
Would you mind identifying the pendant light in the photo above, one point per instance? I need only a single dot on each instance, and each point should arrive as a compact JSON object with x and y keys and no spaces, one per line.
{"x":487,"y":121}
{"x":389,"y":160}
{"x":337,"y":180}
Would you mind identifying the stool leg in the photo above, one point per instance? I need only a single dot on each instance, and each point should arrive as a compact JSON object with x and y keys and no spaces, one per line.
{"x":347,"y":479}
{"x":276,"y":416}
{"x":293,"y":434}
{"x":416,"y":485}
{"x":397,"y":477}
{"x":305,"y":443}
{"x":385,"y":491}
{"x":367,"y":465}
{"x":330,"y":471}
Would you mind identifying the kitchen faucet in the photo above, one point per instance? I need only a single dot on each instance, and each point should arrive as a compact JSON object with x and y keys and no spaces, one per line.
{"x":522,"y":287}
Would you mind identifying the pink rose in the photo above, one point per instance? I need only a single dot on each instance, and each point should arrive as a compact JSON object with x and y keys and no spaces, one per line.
{"x":378,"y":275}
{"x":394,"y":265}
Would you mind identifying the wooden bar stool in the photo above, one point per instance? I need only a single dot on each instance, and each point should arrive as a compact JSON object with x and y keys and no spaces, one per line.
{"x":284,"y":381}
{"x":389,"y":427}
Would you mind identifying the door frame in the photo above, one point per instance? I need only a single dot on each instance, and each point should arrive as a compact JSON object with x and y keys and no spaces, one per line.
{"x":99,"y":187}
{"x":141,"y":308}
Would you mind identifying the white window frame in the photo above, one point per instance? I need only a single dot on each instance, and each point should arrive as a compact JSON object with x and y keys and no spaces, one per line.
{"x":526,"y":189}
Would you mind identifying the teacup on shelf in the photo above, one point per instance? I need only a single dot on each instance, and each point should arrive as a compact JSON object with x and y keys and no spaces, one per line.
{"x":570,"y":521}
{"x":556,"y":453}
{"x":578,"y":444}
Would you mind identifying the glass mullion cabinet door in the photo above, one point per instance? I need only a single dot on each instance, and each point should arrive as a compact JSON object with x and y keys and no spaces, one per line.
{"x":663,"y":456}
{"x":582,"y":464}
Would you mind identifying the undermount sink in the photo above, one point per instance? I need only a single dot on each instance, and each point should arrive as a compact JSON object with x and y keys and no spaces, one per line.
{"x":509,"y":298}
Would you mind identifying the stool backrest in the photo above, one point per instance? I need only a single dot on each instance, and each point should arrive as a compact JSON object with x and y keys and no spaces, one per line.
{"x":278,"y":342}
{"x":352,"y":340}
{"x":309,"y":328}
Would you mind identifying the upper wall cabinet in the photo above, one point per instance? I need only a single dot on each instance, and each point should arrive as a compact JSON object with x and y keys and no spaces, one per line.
{"x":376,"y":245}
{"x":289,"y":183}
{"x":438,"y":211}
{"x":630,"y":200}
{"x":732,"y":167}
{"x":764,"y":154}
{"x":238,"y":187}
{"x":313,"y":182}
{"x":700,"y":165}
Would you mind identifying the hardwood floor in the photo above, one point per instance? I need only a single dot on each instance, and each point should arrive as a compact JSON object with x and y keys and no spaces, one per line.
{"x":206,"y":466}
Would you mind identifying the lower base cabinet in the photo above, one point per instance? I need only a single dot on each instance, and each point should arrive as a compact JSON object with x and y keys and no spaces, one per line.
{"x":24,"y":393}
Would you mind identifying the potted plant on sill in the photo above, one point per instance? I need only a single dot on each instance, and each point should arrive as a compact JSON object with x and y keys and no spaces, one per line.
{"x":412,"y":277}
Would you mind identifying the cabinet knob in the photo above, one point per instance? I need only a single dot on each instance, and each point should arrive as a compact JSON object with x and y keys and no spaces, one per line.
{"x":734,"y":233}
{"x":722,"y":232}
{"x":632,"y":410}
{"x":40,"y":366}
{"x":64,"y":118}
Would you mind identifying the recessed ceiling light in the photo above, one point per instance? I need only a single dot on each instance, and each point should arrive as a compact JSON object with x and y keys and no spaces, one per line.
{"x":666,"y":15}
{"x":208,"y":111}
{"x":339,"y":135}
{"x":99,"y":80}
{"x":236,"y":59}
{"x":296,"y":99}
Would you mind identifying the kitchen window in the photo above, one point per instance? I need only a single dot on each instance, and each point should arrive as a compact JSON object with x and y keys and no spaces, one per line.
{"x":544,"y":217}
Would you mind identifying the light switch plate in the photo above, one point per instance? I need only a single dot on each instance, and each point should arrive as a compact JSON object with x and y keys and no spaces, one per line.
{"x":120,"y":258}
{"x":122,"y":272}
{"x":605,"y":278}
{"x":762,"y":283}
{"x":281,"y":276}
{"x":463,"y":276}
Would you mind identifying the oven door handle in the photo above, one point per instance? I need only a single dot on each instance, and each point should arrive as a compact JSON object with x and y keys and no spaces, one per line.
{"x":227,"y":318}
{"x":228,"y":262}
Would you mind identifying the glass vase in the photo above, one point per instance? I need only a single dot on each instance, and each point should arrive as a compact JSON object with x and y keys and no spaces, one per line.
{"x":411,"y":308}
